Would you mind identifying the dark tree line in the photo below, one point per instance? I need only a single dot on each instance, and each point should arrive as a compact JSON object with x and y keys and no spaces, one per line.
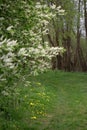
{"x":67,"y":31}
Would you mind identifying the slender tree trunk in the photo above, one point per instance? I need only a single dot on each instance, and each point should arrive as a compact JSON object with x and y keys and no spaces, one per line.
{"x":85,"y":16}
{"x":79,"y":60}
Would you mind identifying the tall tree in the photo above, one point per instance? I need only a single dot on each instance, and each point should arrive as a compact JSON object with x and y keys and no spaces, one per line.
{"x":85,"y":16}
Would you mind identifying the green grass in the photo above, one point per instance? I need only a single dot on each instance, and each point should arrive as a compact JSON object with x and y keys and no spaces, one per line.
{"x":54,"y":100}
{"x":69,"y":107}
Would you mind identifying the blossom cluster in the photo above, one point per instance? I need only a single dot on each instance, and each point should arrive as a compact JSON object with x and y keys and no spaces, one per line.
{"x":35,"y":54}
{"x":24,"y":50}
{"x":36,"y":58}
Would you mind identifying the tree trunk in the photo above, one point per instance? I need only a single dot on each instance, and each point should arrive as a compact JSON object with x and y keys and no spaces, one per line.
{"x":85,"y":14}
{"x":79,"y":60}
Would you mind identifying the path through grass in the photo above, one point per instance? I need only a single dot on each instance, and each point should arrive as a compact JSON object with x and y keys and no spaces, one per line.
{"x":69,"y":110}
{"x":52,"y":101}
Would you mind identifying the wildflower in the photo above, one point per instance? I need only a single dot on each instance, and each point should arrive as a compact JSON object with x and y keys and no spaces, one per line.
{"x":31,"y":104}
{"x":38,"y":83}
{"x":34,"y":117}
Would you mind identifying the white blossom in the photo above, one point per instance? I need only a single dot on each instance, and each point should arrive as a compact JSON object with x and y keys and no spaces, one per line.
{"x":58,"y":8}
{"x":5,"y":93}
{"x":9,"y":28}
{"x":11,"y":43}
{"x":2,"y":18}
{"x":22,"y":52}
{"x":61,"y":12}
{"x":53,"y":6}
{"x":36,"y":54}
{"x":38,"y":5}
{"x":45,"y":22}
{"x":7,"y":60}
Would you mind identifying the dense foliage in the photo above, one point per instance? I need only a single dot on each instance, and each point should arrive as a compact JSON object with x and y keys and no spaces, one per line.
{"x":23,"y":24}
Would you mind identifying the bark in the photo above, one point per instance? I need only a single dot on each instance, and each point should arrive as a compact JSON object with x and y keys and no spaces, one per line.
{"x":79,"y":60}
{"x":85,"y":14}
{"x":50,"y":40}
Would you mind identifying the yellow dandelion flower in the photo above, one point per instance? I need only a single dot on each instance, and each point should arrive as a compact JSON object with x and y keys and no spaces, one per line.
{"x":34,"y":117}
{"x":25,"y":96}
{"x":38,"y":83}
{"x":31,"y":103}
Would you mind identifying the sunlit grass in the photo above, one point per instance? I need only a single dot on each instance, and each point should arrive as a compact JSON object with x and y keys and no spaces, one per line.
{"x":68,"y":109}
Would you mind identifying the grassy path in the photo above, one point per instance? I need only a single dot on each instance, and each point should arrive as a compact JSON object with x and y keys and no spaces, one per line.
{"x":69,"y":110}
{"x":54,"y":100}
